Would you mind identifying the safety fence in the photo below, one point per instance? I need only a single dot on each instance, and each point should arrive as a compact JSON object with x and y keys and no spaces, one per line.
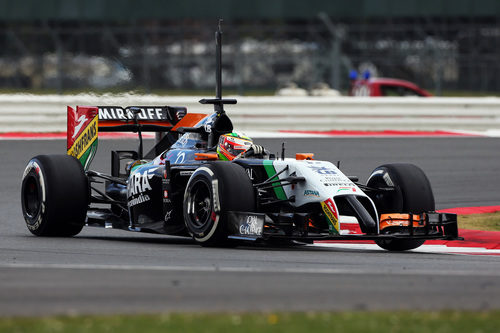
{"x":47,"y":113}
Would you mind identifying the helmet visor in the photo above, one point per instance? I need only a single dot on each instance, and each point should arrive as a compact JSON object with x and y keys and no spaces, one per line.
{"x":234,"y":146}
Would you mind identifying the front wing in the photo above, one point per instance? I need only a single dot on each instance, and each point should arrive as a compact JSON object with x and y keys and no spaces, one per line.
{"x":431,"y":225}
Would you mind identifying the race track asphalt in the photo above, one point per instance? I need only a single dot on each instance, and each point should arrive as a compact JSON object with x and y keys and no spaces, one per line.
{"x":112,"y":271}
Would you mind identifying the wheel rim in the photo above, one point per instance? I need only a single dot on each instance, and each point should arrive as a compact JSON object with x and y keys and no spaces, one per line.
{"x":200,"y":204}
{"x":31,"y":197}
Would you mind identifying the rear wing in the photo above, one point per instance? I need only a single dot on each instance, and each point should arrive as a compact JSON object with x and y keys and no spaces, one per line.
{"x":85,"y":122}
{"x":149,"y":118}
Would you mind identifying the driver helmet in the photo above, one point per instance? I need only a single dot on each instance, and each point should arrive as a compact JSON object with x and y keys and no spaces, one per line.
{"x":231,"y":145}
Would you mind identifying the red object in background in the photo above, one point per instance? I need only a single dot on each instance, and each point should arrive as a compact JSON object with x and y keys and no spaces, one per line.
{"x":386,"y":87}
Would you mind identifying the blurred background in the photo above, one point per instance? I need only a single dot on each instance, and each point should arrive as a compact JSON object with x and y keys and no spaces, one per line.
{"x":449,"y":47}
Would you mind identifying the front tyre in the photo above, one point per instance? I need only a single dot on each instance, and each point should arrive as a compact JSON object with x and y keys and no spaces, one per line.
{"x":211,"y":192}
{"x":54,"y":195}
{"x":413,"y":194}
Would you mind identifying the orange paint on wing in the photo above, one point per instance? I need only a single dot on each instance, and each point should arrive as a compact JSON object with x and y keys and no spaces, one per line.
{"x":401,"y":220}
{"x":189,"y":120}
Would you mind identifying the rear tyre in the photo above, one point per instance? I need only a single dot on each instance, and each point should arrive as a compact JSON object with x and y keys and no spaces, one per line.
{"x":212,"y":191}
{"x":413,"y":195}
{"x":54,"y":195}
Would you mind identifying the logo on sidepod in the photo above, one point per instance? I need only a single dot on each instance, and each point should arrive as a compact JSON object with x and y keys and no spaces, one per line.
{"x":139,"y":182}
{"x":139,"y":185}
{"x":311,"y":193}
{"x":168,"y":215}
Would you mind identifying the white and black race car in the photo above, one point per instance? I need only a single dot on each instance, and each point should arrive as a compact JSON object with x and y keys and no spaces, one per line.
{"x":181,"y":188}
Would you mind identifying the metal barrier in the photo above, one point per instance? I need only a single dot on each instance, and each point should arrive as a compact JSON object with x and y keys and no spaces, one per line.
{"x":37,"y":113}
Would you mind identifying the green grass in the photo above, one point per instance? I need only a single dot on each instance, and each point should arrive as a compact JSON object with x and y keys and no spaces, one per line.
{"x":487,"y":222}
{"x":454,"y":93}
{"x":345,"y":322}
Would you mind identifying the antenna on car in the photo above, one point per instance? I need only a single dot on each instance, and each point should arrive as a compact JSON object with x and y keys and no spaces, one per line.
{"x":218,"y":62}
{"x":283,"y":151}
{"x":218,"y":101}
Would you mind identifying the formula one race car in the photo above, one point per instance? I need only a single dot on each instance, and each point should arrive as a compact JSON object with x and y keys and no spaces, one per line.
{"x":182,"y":187}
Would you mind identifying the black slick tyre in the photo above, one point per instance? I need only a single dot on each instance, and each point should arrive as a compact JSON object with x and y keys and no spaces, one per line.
{"x":413,"y":194}
{"x":211,"y":192}
{"x":54,"y":195}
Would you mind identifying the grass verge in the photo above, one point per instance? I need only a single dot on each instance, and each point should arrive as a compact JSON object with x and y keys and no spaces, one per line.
{"x":487,"y":222}
{"x":345,"y":322}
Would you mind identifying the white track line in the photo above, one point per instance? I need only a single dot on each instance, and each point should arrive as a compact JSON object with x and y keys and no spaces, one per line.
{"x":228,"y":269}
{"x":422,"y":249}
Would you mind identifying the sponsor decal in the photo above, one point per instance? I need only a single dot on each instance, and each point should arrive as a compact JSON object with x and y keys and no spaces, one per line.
{"x":165,"y":185}
{"x":252,"y":226}
{"x":250,"y":173}
{"x":82,"y":134}
{"x":322,"y":170}
{"x":208,"y":125}
{"x":337,"y":184}
{"x":85,"y":140}
{"x":139,"y":182}
{"x":165,"y":180}
{"x":168,"y":215}
{"x":311,"y":193}
{"x":179,"y":114}
{"x":33,"y":165}
{"x":180,"y":158}
{"x":334,"y":179}
{"x":331,"y":216}
{"x":77,"y":121}
{"x":349,"y":189}
{"x":119,"y":113}
{"x":81,"y":122}
{"x":215,"y":191}
{"x":186,"y":173}
{"x":388,"y":180}
{"x":396,"y":223}
{"x":138,"y":185}
{"x":140,"y":199}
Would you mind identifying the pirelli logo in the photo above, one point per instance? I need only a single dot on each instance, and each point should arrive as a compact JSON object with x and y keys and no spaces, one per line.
{"x":331,"y":216}
{"x":84,"y":140}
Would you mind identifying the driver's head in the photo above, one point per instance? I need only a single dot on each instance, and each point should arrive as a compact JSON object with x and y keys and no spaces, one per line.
{"x":231,"y":145}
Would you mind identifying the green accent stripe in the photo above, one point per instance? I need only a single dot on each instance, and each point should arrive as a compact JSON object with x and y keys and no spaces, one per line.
{"x":271,"y":171}
{"x":88,"y":156}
